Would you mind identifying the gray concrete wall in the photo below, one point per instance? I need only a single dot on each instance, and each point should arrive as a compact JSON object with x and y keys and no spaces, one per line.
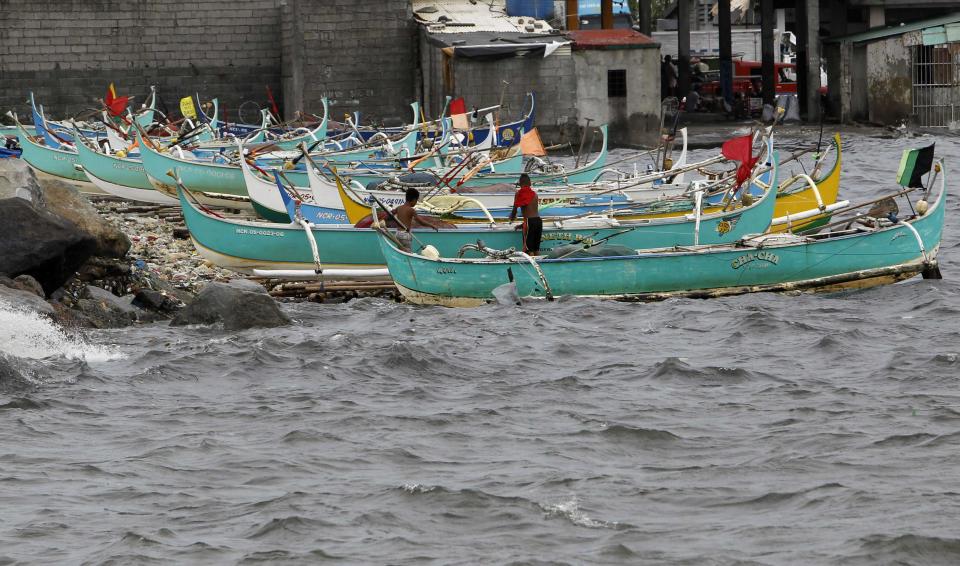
{"x":360,"y":54}
{"x":889,"y":84}
{"x":481,"y":85}
{"x":633,"y":119}
{"x":68,"y":51}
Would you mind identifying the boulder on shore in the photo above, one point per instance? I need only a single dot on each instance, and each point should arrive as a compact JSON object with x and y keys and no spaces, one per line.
{"x":15,"y":295}
{"x":64,"y":200}
{"x":237,"y":305}
{"x":40,"y":244}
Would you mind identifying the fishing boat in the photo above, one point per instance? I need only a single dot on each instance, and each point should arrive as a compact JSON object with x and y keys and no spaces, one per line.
{"x":270,"y":249}
{"x":60,"y":162}
{"x":122,"y":177}
{"x":861,"y":252}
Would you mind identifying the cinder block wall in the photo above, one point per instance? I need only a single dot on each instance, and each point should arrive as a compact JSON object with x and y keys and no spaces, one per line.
{"x":68,"y":51}
{"x":361,"y":55}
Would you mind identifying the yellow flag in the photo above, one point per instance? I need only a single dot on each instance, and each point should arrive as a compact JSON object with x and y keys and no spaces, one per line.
{"x":187,"y":108}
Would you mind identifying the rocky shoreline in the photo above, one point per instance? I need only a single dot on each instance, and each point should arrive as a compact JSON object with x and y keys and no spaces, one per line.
{"x":109,"y":263}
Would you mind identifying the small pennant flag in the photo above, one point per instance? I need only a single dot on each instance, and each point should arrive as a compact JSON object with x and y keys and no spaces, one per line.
{"x":914,"y":164}
{"x":458,"y":106}
{"x":117,"y":105}
{"x":187,"y":108}
{"x":740,"y":149}
{"x":531,"y":144}
{"x":460,"y":121}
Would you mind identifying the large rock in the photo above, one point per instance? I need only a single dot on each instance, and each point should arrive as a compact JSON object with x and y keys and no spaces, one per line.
{"x":65,"y":201}
{"x":62,"y":199}
{"x":23,"y":299}
{"x":237,"y":305}
{"x":40,"y":244}
{"x":17,"y":180}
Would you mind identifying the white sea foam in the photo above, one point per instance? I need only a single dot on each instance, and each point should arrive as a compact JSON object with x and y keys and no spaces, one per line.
{"x":570,"y":510}
{"x":26,"y":334}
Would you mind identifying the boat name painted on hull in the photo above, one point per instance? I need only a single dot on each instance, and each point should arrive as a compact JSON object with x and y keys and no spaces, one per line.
{"x":758,"y":256}
{"x":446,"y":270}
{"x":260,"y":232}
{"x":125,"y":167}
{"x":64,"y":158}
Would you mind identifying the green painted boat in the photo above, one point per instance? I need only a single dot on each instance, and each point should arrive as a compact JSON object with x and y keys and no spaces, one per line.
{"x":245,"y":246}
{"x":858,"y":255}
{"x":57,"y":162}
{"x":122,"y":177}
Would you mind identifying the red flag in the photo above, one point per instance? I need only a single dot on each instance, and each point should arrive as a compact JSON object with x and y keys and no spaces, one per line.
{"x":458,"y":106}
{"x":116,"y":105}
{"x":273,"y":103}
{"x":741,"y":149}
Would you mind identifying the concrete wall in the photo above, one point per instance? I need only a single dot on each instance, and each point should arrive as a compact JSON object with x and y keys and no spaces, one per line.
{"x":481,"y":85}
{"x":633,"y":119}
{"x":870,"y":82}
{"x":889,"y":81}
{"x":68,"y":51}
{"x":362,"y":55}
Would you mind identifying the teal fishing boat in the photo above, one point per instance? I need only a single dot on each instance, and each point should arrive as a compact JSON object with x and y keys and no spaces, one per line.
{"x":862,"y":252}
{"x":246,"y":246}
{"x":62,"y":162}
{"x":123,"y":177}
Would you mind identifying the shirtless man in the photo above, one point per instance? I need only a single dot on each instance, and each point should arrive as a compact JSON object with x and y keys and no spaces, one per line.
{"x":407,"y":215}
{"x":529,"y":204}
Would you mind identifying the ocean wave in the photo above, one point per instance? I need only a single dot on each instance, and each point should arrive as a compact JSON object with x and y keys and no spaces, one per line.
{"x":909,"y":549}
{"x":26,"y":334}
{"x":294,"y":524}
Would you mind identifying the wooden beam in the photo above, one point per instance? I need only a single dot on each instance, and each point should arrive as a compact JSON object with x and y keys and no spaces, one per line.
{"x":573,"y":14}
{"x":606,"y":14}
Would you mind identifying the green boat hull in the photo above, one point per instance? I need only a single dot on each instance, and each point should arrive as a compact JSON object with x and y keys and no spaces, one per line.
{"x":244,"y":246}
{"x":56,"y":162}
{"x":852,"y":259}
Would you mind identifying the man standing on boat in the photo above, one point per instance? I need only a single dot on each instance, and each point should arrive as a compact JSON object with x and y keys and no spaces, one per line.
{"x":529,"y":204}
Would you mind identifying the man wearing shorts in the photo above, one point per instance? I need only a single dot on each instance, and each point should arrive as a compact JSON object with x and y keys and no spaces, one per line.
{"x":529,"y":204}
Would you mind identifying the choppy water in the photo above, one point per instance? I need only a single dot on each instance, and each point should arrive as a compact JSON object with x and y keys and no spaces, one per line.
{"x":764,"y":429}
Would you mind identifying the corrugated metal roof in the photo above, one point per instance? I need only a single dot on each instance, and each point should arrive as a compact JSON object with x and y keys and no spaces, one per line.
{"x":883,"y":33}
{"x":462,"y":16}
{"x":609,"y":39}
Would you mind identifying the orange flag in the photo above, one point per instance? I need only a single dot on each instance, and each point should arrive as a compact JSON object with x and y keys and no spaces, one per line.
{"x":530,"y":144}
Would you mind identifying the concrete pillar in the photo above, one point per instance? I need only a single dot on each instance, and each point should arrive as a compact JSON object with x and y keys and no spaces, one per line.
{"x":838,"y":19}
{"x":573,"y":14}
{"x":812,"y":39}
{"x":683,"y":48}
{"x":606,"y":14}
{"x":645,"y":16}
{"x":781,"y":28}
{"x":726,"y":50}
{"x":878,"y":17}
{"x":766,"y":48}
{"x":292,"y":61}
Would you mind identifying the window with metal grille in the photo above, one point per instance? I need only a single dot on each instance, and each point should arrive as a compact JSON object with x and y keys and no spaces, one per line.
{"x":616,"y":83}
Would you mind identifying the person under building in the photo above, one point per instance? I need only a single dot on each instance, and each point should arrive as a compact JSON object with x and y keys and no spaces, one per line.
{"x":668,"y":78}
{"x":528,"y":202}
